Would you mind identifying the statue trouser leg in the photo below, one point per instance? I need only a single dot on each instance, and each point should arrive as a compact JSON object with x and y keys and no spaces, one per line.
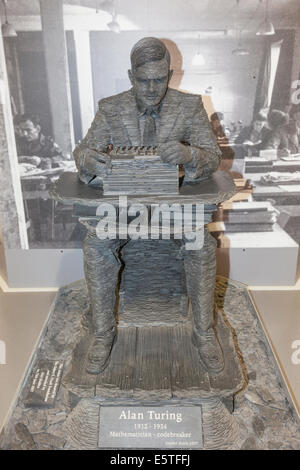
{"x":101,"y":266}
{"x":200,"y":272}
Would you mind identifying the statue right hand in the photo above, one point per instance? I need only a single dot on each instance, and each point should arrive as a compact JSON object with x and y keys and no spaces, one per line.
{"x":95,"y":163}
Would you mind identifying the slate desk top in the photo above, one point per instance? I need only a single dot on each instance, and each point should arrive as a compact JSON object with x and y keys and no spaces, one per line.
{"x":220,"y":187}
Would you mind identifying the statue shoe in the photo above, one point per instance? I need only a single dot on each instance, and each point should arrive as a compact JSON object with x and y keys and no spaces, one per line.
{"x":99,"y":353}
{"x":209,"y":349}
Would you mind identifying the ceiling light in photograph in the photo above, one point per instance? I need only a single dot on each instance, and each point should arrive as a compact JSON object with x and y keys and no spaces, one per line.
{"x":198,"y":60}
{"x":114,"y":25}
{"x":8,"y":31}
{"x":240,"y":51}
{"x":266,"y":28}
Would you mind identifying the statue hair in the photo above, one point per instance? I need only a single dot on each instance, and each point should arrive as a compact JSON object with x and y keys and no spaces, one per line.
{"x":148,"y":50}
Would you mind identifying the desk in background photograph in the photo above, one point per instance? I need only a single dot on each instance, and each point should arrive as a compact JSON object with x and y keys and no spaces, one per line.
{"x":49,"y":223}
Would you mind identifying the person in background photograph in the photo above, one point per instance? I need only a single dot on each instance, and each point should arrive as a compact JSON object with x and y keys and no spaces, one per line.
{"x":217,"y":124}
{"x":33,"y":147}
{"x":278,"y":123}
{"x":294,"y":129}
{"x":255,"y":135}
{"x":41,"y":161}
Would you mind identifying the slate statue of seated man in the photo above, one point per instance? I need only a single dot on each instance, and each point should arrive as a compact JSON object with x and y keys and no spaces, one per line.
{"x":150,"y":114}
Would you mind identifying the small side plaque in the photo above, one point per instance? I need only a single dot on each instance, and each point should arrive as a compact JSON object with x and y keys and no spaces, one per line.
{"x":44,"y":383}
{"x":150,"y":427}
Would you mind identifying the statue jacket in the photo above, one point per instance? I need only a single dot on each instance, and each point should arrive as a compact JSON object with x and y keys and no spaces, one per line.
{"x":182,"y":118}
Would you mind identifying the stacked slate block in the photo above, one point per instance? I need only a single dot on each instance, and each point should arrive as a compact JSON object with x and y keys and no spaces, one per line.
{"x":247,"y":217}
{"x":139,"y":170}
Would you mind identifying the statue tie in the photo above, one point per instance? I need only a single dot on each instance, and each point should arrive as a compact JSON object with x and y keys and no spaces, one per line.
{"x":149,"y":136}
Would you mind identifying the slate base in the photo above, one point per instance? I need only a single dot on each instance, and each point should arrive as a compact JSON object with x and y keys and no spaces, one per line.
{"x":154,"y":363}
{"x":262,"y":410}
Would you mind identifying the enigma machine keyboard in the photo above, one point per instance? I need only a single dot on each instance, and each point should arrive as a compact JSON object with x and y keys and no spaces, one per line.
{"x":139,"y":170}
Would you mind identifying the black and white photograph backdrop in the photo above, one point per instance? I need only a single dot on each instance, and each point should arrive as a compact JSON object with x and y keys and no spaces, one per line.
{"x":60,"y":57}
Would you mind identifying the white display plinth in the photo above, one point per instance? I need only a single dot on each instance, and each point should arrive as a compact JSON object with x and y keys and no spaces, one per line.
{"x":259,"y":258}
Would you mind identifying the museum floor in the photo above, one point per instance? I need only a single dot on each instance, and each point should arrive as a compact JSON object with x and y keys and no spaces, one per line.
{"x":23,"y":313}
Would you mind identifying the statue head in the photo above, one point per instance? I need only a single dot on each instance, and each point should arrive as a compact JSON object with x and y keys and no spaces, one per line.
{"x":150,"y":71}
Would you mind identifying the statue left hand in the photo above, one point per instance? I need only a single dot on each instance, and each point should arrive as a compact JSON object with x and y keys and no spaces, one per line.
{"x":174,"y":152}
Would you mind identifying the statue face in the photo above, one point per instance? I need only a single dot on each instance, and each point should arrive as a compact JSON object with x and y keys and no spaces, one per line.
{"x":150,"y":82}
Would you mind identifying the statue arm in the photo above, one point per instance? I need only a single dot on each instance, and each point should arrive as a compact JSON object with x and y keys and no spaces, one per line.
{"x":90,"y":154}
{"x":204,"y":151}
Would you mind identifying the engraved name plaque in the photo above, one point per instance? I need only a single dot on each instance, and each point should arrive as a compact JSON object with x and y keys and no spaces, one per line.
{"x":44,"y":383}
{"x":159,"y":427}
